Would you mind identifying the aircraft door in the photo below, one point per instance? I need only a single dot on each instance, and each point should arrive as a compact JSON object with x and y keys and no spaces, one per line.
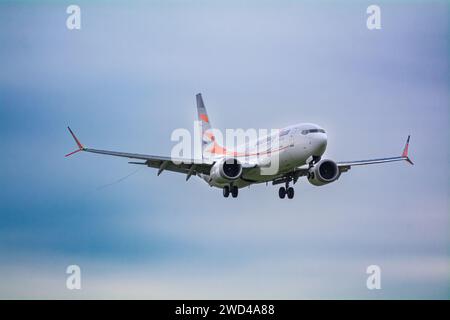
{"x":291,"y":138}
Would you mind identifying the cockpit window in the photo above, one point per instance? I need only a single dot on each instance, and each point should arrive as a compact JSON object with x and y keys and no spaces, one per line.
{"x":305,"y":132}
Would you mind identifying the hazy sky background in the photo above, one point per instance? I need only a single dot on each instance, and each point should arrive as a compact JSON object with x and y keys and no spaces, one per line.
{"x":129,"y":77}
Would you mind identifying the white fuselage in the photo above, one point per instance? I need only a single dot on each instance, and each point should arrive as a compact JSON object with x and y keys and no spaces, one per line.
{"x":292,"y":147}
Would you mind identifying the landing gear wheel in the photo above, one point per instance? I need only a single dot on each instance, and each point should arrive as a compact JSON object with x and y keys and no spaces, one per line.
{"x":226,"y":191}
{"x":282,"y":192}
{"x":290,"y":192}
{"x":234,"y":191}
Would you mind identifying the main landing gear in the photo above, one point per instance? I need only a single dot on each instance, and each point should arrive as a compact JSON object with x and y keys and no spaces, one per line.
{"x":289,"y":191}
{"x":286,"y":191}
{"x":233,"y":190}
{"x":282,"y":192}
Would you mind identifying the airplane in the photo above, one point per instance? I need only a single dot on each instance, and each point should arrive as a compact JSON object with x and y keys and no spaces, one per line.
{"x":297,"y":150}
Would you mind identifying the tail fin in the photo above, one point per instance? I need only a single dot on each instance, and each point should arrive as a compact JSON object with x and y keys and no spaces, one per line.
{"x":202,"y":114}
{"x":210,"y":147}
{"x":207,"y":137}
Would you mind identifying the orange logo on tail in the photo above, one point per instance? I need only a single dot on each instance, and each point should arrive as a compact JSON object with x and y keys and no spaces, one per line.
{"x":204,"y":117}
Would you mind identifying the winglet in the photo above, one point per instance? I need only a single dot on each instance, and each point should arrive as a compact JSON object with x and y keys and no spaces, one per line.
{"x":405,"y":151}
{"x":80,"y":146}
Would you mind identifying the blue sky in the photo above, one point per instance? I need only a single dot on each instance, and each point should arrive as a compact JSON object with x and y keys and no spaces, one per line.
{"x":129,"y":77}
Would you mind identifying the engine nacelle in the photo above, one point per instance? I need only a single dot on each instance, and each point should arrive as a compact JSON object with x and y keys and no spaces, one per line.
{"x":325,"y":171}
{"x":225,"y":171}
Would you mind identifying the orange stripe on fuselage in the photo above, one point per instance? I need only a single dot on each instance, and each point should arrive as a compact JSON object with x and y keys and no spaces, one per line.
{"x":219,"y":150}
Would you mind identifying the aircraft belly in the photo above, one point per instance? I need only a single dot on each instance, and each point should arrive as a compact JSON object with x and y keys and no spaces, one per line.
{"x":288,"y":160}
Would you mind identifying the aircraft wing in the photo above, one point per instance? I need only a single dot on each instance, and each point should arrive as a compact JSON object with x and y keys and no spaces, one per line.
{"x":346,"y":165}
{"x":187,"y":166}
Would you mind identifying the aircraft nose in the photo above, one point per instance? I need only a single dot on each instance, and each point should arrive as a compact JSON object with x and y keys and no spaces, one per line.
{"x":320,"y":143}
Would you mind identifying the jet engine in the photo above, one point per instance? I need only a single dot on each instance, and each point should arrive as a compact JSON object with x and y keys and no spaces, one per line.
{"x":325,"y":171}
{"x":225,"y":171}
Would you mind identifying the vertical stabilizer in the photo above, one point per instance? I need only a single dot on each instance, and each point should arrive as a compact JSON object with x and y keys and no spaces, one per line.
{"x":208,"y":138}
